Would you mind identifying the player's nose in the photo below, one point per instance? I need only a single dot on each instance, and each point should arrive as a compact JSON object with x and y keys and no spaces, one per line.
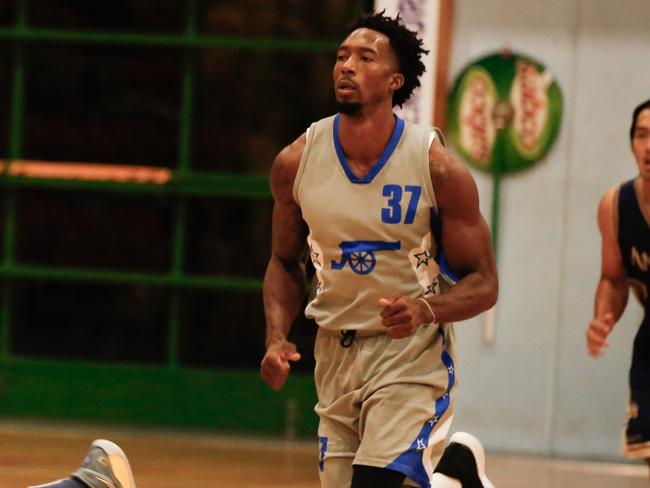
{"x":349,"y":65}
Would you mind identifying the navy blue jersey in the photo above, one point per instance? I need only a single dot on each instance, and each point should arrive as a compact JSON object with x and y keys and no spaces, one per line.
{"x":634,"y":242}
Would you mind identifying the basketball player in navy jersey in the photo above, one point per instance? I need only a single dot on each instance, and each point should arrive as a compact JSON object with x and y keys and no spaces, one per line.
{"x":624,"y":221}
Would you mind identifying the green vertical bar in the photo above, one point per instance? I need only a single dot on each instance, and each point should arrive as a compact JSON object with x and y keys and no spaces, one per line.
{"x":15,"y":150}
{"x":21,"y":13}
{"x":499,"y":158}
{"x":178,"y":248}
{"x":180,"y":209}
{"x":7,"y":262}
{"x":187,"y":93}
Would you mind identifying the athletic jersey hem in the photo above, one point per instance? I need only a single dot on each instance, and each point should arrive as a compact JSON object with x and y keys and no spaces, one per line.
{"x":358,"y":333}
{"x":309,"y":136}
{"x":372,"y":332}
{"x":426,"y":171}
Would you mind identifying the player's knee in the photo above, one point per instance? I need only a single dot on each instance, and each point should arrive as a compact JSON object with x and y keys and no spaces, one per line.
{"x":373,"y":477}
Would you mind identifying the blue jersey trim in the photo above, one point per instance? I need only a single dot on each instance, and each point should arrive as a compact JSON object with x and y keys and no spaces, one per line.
{"x":323,"y":450}
{"x":441,"y":258}
{"x":381,"y":162}
{"x":410,"y":462}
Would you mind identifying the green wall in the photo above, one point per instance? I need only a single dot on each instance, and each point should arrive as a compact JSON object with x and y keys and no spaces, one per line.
{"x":224,"y":401}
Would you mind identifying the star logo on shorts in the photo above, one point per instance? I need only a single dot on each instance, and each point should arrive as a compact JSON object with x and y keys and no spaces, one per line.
{"x":423,"y":258}
{"x":434,"y":420}
{"x":450,"y":369}
{"x":314,"y":256}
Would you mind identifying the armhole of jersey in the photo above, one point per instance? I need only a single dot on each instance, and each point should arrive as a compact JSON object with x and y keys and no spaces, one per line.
{"x":637,"y":193}
{"x":303,"y":162}
{"x":437,"y":134}
{"x":433,"y":134}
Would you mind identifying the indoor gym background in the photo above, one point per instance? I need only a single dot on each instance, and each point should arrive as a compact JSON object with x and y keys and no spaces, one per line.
{"x":135,"y":231}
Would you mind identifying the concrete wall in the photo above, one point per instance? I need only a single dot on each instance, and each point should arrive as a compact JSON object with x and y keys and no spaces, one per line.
{"x":536,"y":390}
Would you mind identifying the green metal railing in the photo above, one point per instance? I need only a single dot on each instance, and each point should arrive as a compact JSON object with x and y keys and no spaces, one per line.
{"x":188,"y":40}
{"x":159,"y":395}
{"x":24,"y":382}
{"x":184,"y":181}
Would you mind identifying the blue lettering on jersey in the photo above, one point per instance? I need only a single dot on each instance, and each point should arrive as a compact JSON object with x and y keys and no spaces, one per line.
{"x":393,"y":213}
{"x":361,"y":254}
{"x":639,"y":259}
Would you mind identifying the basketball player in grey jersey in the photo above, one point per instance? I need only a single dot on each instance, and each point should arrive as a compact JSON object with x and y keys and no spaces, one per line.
{"x":357,"y":193}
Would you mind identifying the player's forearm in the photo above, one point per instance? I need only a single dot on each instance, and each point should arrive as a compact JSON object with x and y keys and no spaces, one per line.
{"x":284,"y":289}
{"x":475,"y":293}
{"x":611,"y":297}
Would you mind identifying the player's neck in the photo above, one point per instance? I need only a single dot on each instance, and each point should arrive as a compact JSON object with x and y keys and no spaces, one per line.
{"x":365,"y":136}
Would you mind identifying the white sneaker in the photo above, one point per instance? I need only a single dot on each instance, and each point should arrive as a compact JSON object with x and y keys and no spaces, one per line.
{"x":439,"y":480}
{"x":105,"y":466}
{"x":462,"y":465}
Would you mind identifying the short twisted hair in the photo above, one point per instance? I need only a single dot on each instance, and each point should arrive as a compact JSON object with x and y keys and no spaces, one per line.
{"x":406,"y":45}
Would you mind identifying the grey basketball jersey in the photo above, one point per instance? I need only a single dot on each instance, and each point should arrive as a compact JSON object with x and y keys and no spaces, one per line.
{"x":370,"y":237}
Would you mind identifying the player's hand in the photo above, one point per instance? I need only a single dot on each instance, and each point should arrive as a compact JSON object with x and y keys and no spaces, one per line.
{"x":402,"y":315}
{"x":276,"y":363}
{"x":597,"y":333}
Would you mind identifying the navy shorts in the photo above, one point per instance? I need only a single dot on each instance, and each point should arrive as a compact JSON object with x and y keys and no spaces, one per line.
{"x":637,"y":431}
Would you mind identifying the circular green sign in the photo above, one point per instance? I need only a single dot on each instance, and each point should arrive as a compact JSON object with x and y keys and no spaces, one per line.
{"x":504,"y":112}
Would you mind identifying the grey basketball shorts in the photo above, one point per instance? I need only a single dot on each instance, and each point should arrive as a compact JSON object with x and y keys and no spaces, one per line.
{"x":384,"y":402}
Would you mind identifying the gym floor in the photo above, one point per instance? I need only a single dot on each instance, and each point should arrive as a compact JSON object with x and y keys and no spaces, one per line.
{"x":34,"y":453}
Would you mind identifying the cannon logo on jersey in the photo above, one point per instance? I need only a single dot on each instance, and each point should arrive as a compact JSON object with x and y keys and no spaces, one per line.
{"x":361,"y":254}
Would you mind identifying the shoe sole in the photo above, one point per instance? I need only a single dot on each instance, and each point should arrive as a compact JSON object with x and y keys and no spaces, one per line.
{"x":475,"y":446}
{"x":439,"y":480}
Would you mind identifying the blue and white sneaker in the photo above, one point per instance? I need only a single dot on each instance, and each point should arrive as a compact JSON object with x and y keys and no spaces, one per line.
{"x":105,"y":466}
{"x":462,"y":464}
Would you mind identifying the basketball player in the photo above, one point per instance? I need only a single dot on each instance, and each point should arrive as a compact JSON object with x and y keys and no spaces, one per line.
{"x":624,"y":220}
{"x":359,"y":194}
{"x":105,"y":466}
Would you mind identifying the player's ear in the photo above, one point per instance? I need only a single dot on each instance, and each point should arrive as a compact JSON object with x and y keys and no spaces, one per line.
{"x":396,"y":81}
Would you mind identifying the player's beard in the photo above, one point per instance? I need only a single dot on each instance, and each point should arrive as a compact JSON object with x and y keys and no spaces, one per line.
{"x":349,"y":108}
